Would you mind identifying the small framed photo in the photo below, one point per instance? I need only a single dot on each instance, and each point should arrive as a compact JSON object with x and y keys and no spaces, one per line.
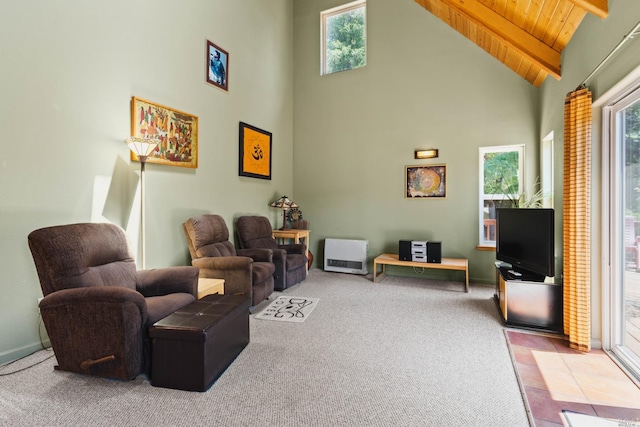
{"x":255,"y":152}
{"x":425,"y":181}
{"x":217,"y":69}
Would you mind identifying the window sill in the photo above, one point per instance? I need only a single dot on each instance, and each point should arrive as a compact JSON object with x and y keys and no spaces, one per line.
{"x":485,"y":248}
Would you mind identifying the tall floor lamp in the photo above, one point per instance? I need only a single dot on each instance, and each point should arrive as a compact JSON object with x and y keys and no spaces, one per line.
{"x":142,"y":148}
{"x":284,"y":203}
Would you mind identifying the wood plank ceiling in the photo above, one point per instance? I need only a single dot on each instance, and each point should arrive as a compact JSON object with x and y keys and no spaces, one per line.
{"x":527,"y":36}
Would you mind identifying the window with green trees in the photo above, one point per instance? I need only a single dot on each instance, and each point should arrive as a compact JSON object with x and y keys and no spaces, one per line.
{"x":344,"y":37}
{"x":501,"y":171}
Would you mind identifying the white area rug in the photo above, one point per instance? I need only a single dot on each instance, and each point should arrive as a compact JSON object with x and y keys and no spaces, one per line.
{"x":288,"y":308}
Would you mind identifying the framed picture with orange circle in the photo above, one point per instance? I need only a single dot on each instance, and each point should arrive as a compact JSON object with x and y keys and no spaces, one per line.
{"x":255,"y":152}
{"x":426,"y":181}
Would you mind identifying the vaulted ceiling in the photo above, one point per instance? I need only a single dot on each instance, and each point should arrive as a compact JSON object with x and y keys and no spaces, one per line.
{"x":527,"y":36}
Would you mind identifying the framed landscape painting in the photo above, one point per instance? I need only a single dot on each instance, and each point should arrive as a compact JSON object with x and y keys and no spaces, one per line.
{"x":255,"y":152}
{"x":426,"y":181}
{"x":176,"y":130}
{"x":217,"y":69}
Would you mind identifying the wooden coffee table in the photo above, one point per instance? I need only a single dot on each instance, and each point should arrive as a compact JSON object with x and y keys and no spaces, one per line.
{"x":461,"y":264}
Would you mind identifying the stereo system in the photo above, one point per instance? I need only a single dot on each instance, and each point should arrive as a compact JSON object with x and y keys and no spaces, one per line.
{"x":420,"y":251}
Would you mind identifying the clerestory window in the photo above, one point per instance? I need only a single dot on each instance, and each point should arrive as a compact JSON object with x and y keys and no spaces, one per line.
{"x":344,"y":37}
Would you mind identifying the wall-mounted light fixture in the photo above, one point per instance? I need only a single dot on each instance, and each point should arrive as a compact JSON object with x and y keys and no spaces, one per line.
{"x":431,"y":153}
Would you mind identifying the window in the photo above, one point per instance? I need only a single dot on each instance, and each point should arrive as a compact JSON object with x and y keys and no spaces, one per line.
{"x":547,"y":171}
{"x":621,"y":227}
{"x":344,"y":37}
{"x":500,"y":185}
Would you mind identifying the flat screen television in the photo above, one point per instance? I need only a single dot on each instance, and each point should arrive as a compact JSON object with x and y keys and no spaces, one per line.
{"x":525,"y":239}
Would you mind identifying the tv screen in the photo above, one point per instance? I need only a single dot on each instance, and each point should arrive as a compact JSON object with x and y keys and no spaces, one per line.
{"x":525,"y":239}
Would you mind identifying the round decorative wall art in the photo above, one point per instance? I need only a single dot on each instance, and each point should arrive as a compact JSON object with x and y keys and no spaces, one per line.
{"x":425,"y":181}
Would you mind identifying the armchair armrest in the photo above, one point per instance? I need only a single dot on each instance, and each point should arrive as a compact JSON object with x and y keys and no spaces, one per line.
{"x":278,"y":255}
{"x":223,"y":263}
{"x":294,"y":248}
{"x":257,"y":254}
{"x":164,"y":281}
{"x":235,"y":270}
{"x":88,"y":296}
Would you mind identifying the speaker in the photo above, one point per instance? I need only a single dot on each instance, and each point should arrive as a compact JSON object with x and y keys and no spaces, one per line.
{"x":434,"y":252}
{"x":404,"y":250}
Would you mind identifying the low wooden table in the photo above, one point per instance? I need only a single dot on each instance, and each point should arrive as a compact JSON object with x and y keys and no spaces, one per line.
{"x":461,"y":264}
{"x":210,"y":286}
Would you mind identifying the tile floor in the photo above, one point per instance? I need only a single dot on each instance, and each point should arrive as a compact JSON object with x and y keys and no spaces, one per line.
{"x":555,"y":377}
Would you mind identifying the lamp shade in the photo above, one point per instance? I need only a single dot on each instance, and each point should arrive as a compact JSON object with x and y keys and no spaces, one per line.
{"x":284,"y":203}
{"x":141,"y":147}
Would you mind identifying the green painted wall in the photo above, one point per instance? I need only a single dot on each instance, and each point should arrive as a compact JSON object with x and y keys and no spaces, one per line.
{"x":69,"y":70}
{"x":341,"y":142}
{"x":592,"y":42}
{"x":424,"y":86}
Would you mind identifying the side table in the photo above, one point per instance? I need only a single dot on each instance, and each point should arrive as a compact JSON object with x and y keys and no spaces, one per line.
{"x":210,"y":286}
{"x":296,"y":235}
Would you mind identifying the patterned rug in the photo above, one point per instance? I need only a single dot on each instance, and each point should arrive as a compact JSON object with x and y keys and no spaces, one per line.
{"x":289,"y":309}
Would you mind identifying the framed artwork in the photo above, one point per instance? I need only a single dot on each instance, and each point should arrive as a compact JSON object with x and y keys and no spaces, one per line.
{"x":255,"y":152}
{"x":217,"y":69}
{"x":176,"y":130}
{"x":425,"y":181}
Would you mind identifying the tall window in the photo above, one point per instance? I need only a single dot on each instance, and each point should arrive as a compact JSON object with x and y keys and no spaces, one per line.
{"x":344,"y":37}
{"x":621,"y":219}
{"x":546,"y":166}
{"x":500,"y":185}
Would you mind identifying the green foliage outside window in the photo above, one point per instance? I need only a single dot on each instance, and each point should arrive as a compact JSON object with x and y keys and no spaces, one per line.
{"x":501,"y":173}
{"x":632,"y":159}
{"x":346,"y":41}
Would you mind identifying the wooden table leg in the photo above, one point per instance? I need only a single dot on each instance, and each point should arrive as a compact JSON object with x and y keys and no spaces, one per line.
{"x":378,"y":277}
{"x":466,"y":280}
{"x":375,"y":270}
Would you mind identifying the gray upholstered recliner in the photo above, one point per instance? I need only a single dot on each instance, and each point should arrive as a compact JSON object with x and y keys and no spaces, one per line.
{"x":97,"y":307}
{"x":245,"y":271}
{"x":290,"y":260}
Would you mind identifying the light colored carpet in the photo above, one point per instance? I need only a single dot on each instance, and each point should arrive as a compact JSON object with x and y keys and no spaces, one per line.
{"x":402,"y":352}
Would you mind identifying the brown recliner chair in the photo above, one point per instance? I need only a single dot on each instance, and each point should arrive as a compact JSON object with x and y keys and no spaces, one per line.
{"x":97,"y":307}
{"x":245,"y":271}
{"x":290,"y":261}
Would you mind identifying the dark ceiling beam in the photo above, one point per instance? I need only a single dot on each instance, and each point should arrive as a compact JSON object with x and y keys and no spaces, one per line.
{"x":533,"y":49}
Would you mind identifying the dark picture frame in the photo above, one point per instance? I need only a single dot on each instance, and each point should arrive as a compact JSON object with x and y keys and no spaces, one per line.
{"x":217,"y":66}
{"x":176,"y":130}
{"x":425,"y":181}
{"x":255,"y":152}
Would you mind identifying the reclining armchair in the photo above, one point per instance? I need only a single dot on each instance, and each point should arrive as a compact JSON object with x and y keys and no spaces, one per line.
{"x":290,"y":261}
{"x":245,"y":271}
{"x":97,"y":307}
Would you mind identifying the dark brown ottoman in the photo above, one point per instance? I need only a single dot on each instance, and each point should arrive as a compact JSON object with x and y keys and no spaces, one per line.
{"x":192,"y":347}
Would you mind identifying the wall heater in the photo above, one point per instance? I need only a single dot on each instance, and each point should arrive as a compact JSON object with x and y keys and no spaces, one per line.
{"x":346,"y":256}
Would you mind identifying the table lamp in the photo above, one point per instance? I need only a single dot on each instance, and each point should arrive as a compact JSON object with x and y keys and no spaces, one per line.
{"x":284,"y":203}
